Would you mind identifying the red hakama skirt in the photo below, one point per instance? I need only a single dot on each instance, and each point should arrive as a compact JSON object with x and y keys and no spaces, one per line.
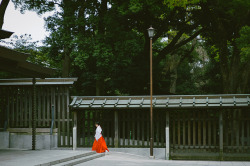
{"x":100,"y":145}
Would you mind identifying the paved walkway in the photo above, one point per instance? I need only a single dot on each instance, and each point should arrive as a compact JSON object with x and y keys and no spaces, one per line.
{"x":17,"y":157}
{"x":124,"y":159}
{"x":14,"y":157}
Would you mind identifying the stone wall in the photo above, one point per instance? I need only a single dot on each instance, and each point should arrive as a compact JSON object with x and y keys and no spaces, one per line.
{"x":23,"y":140}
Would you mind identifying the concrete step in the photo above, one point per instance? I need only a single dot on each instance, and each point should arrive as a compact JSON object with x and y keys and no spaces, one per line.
{"x":81,"y":160}
{"x":66,"y":159}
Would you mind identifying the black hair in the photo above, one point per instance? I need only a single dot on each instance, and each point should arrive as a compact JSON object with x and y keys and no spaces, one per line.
{"x":97,"y":123}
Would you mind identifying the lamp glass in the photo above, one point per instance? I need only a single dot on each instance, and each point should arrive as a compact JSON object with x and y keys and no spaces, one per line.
{"x":151,"y":32}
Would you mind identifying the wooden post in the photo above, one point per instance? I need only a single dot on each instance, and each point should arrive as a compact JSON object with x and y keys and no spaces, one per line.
{"x":75,"y":131}
{"x":7,"y":112}
{"x":167,"y":137}
{"x":34,"y":115}
{"x":221,"y":135}
{"x":116,"y":130}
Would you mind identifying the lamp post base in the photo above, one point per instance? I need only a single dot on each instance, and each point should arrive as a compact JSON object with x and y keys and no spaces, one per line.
{"x":152,"y":157}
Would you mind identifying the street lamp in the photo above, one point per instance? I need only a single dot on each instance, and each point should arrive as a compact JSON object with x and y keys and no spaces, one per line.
{"x":151,"y":35}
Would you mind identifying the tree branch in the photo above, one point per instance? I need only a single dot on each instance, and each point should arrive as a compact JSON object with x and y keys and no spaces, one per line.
{"x":173,"y":46}
{"x":3,"y":7}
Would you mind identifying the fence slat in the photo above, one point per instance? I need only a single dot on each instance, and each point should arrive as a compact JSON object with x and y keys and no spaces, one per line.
{"x":179,"y":130}
{"x":123,"y":129}
{"x":214,"y":132}
{"x":148,"y":124}
{"x":21,"y":107}
{"x":199,"y":128}
{"x":204,"y":129}
{"x":174,"y":131}
{"x":242,"y":134}
{"x":63,"y":116}
{"x":225,"y":128}
{"x":237,"y":130}
{"x":163,"y":123}
{"x":184,"y":129}
{"x":84,"y":128}
{"x":194,"y":129}
{"x":48,"y":106}
{"x":17,"y":108}
{"x":59,"y":115}
{"x":89,"y":128}
{"x":128,"y":129}
{"x":30,"y":107}
{"x":189,"y":130}
{"x":39,"y":91}
{"x":13,"y":109}
{"x":133,"y":128}
{"x":248,"y":132}
{"x":232,"y":128}
{"x":157,"y":129}
{"x":138,"y":128}
{"x":209,"y":132}
{"x":108,"y":132}
{"x":68,"y":116}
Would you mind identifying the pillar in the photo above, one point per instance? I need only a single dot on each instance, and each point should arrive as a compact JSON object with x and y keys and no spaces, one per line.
{"x":34,"y":114}
{"x":116,"y":140}
{"x":75,"y":131}
{"x":221,"y":134}
{"x":167,"y":136}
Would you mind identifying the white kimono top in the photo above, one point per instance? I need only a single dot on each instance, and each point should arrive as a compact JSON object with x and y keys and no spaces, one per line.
{"x":98,"y":133}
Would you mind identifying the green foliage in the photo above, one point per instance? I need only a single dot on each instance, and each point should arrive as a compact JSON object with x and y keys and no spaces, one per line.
{"x":24,"y":43}
{"x":243,"y":43}
{"x":107,"y":42}
{"x":181,"y":3}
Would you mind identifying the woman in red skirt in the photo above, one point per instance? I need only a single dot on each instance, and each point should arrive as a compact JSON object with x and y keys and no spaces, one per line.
{"x":99,"y":144}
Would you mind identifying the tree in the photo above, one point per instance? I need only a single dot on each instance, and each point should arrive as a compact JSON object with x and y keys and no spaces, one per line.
{"x":105,"y":43}
{"x":223,"y":21}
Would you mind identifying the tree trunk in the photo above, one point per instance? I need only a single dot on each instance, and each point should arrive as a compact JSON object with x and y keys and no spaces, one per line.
{"x":3,"y":7}
{"x":234,"y":75}
{"x":224,"y":66}
{"x":68,"y":12}
{"x":171,"y":66}
{"x":99,"y":87}
{"x":66,"y":63}
{"x":173,"y":78}
{"x":101,"y":32}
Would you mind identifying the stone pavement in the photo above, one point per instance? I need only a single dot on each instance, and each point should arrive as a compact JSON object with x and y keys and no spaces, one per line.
{"x":125,"y":159}
{"x":17,"y":157}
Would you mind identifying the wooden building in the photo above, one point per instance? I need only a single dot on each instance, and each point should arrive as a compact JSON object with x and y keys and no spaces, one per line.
{"x":53,"y":122}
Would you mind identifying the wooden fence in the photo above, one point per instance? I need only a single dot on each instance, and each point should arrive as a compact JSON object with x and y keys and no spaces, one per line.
{"x":196,"y":131}
{"x":200,"y":130}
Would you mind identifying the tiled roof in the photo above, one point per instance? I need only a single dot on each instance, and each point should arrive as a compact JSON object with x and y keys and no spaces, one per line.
{"x":160,"y":102}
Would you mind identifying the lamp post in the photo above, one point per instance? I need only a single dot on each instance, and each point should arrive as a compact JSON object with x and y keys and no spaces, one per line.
{"x":151,"y":35}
